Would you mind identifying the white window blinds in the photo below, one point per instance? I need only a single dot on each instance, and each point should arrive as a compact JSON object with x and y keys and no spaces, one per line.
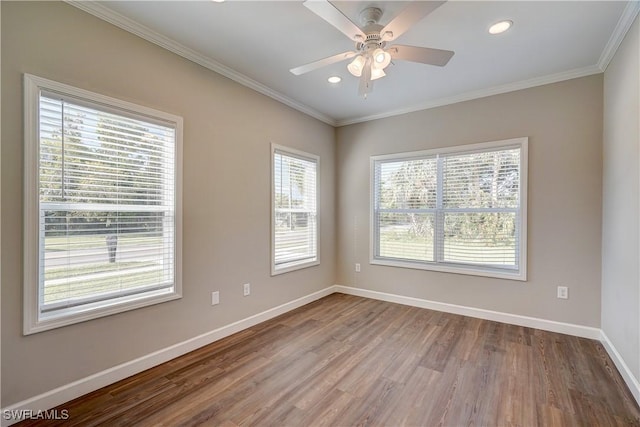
{"x":106,"y":206}
{"x":448,"y":210}
{"x":480,"y":204}
{"x":406,"y":209}
{"x":295,"y":203}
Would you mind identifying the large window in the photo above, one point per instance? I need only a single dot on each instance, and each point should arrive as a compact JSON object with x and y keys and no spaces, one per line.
{"x":460,"y":210}
{"x":294,"y":217}
{"x":102,"y":205}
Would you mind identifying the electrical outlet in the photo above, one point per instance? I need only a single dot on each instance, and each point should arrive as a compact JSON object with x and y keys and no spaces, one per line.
{"x":357,"y":267}
{"x":215,"y":298}
{"x":563,"y":292}
{"x":247,"y":289}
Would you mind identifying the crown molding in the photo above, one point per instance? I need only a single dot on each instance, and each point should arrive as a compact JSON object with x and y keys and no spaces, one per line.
{"x":108,"y":15}
{"x":127,"y":24}
{"x":482,"y":93}
{"x":622,"y":27}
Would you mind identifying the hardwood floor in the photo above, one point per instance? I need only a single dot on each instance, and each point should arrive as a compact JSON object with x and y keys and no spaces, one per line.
{"x":346,"y":360}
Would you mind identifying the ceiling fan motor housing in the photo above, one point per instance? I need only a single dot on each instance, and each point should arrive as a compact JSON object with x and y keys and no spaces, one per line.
{"x":370,"y":15}
{"x":370,"y":44}
{"x":369,"y":19}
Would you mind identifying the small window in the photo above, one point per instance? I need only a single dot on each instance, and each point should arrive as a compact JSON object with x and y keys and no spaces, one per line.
{"x":294,"y":217}
{"x":102,"y":203}
{"x":460,"y":210}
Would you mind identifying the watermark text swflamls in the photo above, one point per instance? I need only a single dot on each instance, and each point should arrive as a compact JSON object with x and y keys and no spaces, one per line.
{"x":30,"y":414}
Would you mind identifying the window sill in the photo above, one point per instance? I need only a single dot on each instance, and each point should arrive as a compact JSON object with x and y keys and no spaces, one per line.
{"x":84,"y":313}
{"x":449,"y":268}
{"x":293,"y":266}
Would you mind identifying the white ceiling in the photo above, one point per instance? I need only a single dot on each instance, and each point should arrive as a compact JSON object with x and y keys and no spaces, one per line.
{"x":257,"y":42}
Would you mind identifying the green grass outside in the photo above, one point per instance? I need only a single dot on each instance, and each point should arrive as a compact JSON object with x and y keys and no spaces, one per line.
{"x":53,"y":293}
{"x":83,"y":281}
{"x":293,"y":239}
{"x":64,"y":272}
{"x":395,"y":243}
{"x":58,"y":243}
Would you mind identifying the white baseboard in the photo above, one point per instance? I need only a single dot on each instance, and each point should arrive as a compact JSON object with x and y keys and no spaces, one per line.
{"x":629,"y":379}
{"x":514,"y":319}
{"x":532,"y":322}
{"x":96,"y":381}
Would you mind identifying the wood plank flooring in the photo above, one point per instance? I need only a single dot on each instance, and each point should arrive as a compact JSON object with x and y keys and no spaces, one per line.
{"x":346,"y":360}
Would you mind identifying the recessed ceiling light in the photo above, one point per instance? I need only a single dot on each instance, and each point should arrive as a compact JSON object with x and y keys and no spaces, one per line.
{"x":334,"y":79}
{"x":217,"y":1}
{"x":500,"y":27}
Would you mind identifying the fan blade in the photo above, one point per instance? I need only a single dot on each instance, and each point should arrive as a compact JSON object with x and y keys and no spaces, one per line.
{"x":322,"y":62}
{"x":424,"y":55}
{"x":409,"y":16}
{"x":333,"y":16}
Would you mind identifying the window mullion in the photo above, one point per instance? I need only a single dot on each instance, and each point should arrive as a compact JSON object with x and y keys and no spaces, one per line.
{"x":376,"y":209}
{"x":438,"y":240}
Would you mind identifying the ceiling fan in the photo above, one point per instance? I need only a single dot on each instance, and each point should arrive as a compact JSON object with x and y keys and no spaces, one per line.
{"x":371,"y":53}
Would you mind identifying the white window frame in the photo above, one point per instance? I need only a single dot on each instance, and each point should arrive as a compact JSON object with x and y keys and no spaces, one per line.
{"x":32,"y":322}
{"x":520,"y":274}
{"x":293,"y":266}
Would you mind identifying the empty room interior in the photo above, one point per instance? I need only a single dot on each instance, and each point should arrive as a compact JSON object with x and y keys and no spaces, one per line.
{"x":320,"y":213}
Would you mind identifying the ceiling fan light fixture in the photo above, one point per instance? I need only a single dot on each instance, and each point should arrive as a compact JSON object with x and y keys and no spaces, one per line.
{"x":381,"y":59}
{"x":500,"y":27}
{"x":377,"y":73}
{"x":356,"y":66}
{"x":370,"y":58}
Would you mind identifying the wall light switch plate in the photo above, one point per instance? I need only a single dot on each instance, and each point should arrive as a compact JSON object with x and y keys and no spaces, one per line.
{"x":215,"y":298}
{"x":357,"y":268}
{"x":246,"y":290}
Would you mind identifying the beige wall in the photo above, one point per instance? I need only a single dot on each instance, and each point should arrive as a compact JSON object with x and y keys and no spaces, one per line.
{"x":227,"y":133}
{"x":228,"y":129}
{"x":621,"y":195}
{"x":564,"y":124}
